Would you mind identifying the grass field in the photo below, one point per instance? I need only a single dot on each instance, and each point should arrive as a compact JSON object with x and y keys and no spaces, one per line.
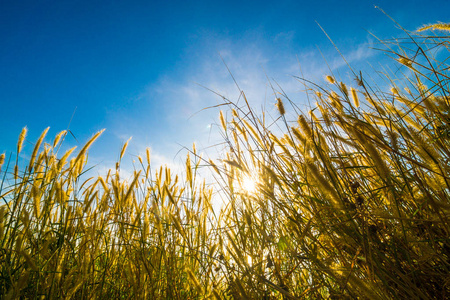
{"x":352,"y":200}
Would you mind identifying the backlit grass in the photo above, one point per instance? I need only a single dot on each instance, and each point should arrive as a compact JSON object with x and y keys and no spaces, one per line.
{"x":350,"y":201}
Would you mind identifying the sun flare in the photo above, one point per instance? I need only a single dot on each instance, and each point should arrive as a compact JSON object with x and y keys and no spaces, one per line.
{"x":249,"y":260}
{"x":248,"y":184}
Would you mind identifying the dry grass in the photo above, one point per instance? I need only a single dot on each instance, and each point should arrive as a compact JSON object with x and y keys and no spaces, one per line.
{"x":352,"y":201}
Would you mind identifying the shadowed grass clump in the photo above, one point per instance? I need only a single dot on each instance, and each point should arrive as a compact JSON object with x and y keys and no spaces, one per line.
{"x":351,"y":200}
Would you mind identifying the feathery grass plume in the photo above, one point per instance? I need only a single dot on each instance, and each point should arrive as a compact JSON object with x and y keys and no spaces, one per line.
{"x":301,"y":120}
{"x":405,"y":61}
{"x":147,"y":152}
{"x":36,"y":195}
{"x":355,"y":97}
{"x":124,"y":148}
{"x":317,"y":122}
{"x":318,"y":94}
{"x":87,"y":145}
{"x":429,"y":103}
{"x":414,"y":106}
{"x":280,"y":106}
{"x":323,"y":183}
{"x":412,"y":122}
{"x":63,"y":159}
{"x":393,"y":112}
{"x":375,"y":105}
{"x":2,"y":220}
{"x":79,"y":165}
{"x":287,"y":140}
{"x":36,"y":148}
{"x":393,"y":137}
{"x":22,"y":136}
{"x":335,"y":101}
{"x":2,"y":160}
{"x":176,"y":222}
{"x":379,"y":163}
{"x":235,"y":137}
{"x":330,"y":79}
{"x":344,"y":89}
{"x":325,"y":114}
{"x":222,"y":121}
{"x":16,"y":172}
{"x":58,"y":138}
{"x":424,"y":148}
{"x":189,"y":177}
{"x":437,"y":26}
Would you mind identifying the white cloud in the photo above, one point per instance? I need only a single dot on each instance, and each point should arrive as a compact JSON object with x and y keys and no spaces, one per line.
{"x":256,"y":64}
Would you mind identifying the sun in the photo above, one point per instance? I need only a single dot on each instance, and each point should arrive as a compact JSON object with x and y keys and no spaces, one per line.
{"x":248,"y":184}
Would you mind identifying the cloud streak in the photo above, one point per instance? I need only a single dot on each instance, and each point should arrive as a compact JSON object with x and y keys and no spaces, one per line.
{"x":261,"y":68}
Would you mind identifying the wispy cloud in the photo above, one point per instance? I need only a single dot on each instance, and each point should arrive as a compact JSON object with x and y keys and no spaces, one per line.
{"x":261,"y":68}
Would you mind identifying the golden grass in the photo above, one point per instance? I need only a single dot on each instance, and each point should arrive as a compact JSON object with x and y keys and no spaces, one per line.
{"x":351,"y":202}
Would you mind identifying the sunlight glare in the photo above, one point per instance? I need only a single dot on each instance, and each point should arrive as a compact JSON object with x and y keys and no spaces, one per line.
{"x":249,"y":260}
{"x":248,"y":184}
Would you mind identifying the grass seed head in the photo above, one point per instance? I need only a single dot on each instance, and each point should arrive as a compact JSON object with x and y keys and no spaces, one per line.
{"x":330,"y":79}
{"x":280,"y":106}
{"x":222,"y":121}
{"x":355,"y":97}
{"x":437,"y":26}
{"x":36,"y":148}
{"x":2,"y":160}
{"x":344,"y":89}
{"x":22,"y":136}
{"x":58,"y":138}
{"x":405,"y":61}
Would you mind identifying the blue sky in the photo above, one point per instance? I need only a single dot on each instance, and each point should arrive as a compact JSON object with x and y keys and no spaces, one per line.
{"x":132,"y":67}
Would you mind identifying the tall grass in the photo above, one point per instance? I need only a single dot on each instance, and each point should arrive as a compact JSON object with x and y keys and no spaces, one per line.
{"x":352,"y":201}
